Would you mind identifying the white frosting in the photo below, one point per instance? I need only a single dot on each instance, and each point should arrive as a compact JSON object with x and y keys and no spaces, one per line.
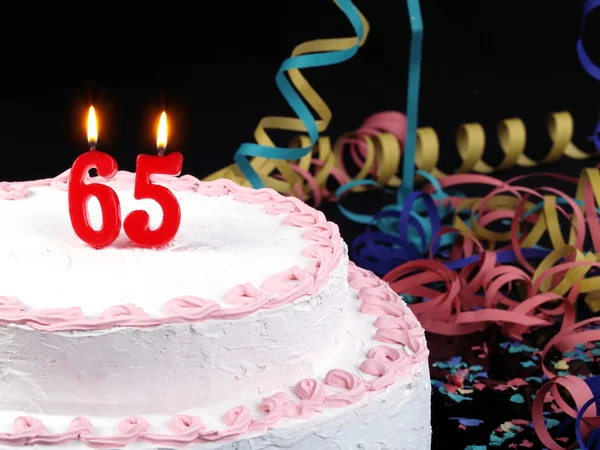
{"x":125,"y":370}
{"x":397,"y":418}
{"x":201,"y":369}
{"x":221,"y":243}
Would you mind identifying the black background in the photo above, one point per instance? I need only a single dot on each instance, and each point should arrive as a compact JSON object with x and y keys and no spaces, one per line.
{"x":211,"y":66}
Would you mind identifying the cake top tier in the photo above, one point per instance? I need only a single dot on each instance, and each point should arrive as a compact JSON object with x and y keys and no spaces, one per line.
{"x":237,"y":250}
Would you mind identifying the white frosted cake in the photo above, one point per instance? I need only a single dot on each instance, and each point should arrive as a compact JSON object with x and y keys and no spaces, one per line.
{"x":249,"y":330}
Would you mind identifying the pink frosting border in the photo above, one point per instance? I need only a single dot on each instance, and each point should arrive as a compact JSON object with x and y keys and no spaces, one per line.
{"x":325,"y":247}
{"x":395,"y":324}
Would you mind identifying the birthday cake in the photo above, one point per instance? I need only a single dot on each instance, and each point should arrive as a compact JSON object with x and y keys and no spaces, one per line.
{"x":251,"y":329}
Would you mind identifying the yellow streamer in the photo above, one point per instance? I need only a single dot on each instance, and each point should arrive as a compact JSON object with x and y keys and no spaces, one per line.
{"x":266,"y":168}
{"x":381,"y":160}
{"x":547,"y":223}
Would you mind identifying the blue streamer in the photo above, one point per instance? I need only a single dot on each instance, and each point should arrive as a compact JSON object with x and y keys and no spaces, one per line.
{"x":594,"y":439}
{"x":405,"y":231}
{"x":296,"y":102}
{"x":589,"y":66}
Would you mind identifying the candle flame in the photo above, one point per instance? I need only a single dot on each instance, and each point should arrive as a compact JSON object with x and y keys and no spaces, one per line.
{"x":161,"y":140}
{"x":92,"y":128}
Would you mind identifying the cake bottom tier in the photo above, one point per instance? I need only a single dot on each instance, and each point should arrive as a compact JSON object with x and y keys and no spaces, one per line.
{"x":376,"y":395}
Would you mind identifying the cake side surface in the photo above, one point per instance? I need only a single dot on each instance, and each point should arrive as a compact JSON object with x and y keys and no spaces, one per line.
{"x":374,"y":394}
{"x":249,"y":297}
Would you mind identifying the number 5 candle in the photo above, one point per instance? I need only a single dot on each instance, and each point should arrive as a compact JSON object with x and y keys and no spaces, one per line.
{"x":137,"y":223}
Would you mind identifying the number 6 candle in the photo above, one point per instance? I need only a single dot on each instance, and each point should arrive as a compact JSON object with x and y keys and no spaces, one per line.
{"x":80,"y":193}
{"x":137,"y":223}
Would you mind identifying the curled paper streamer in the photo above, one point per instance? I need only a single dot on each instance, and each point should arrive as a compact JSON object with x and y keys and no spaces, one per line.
{"x":299,"y":94}
{"x":502,"y":259}
{"x":375,"y":150}
{"x":412,"y":95}
{"x":377,"y":155}
{"x":586,"y":395}
{"x":311,"y":164}
{"x":270,"y":166}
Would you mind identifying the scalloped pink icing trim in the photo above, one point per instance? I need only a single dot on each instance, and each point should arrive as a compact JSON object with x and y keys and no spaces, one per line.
{"x":325,"y":247}
{"x":396,"y":325}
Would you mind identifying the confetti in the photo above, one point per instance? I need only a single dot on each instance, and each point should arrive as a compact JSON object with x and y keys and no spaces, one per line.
{"x":527,"y":363}
{"x":456,"y":379}
{"x":535,"y":379}
{"x":467,"y":422}
{"x":455,"y":361}
{"x":521,"y":422}
{"x":451,"y":388}
{"x":497,"y":441}
{"x":577,"y":354}
{"x":501,"y":387}
{"x":517,"y":347}
{"x":508,"y":426}
{"x":517,"y":398}
{"x":458,"y":398}
{"x":551,"y":423}
{"x":561,"y":365}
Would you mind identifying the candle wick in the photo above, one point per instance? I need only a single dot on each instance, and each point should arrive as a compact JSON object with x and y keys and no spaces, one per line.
{"x":161,"y":151}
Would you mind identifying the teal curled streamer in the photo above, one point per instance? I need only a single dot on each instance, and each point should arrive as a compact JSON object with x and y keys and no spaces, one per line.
{"x":249,"y":150}
{"x":412,"y":112}
{"x":412,"y":97}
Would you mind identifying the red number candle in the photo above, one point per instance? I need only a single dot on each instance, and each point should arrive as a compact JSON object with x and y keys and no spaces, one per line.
{"x":80,"y":193}
{"x":137,"y":223}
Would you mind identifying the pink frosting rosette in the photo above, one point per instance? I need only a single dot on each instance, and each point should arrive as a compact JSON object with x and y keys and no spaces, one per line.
{"x":355,"y":388}
{"x":53,"y":319}
{"x":283,"y":205}
{"x":80,"y":427}
{"x":253,"y":196}
{"x":24,"y":429}
{"x":185,"y":430}
{"x":359,"y":278}
{"x":304,"y":218}
{"x":213,"y":189}
{"x":287,"y":285}
{"x":186,"y":425}
{"x":190,"y":308}
{"x":313,"y":397}
{"x":247,"y":300}
{"x":319,"y":231}
{"x":238,"y":419}
{"x":13,"y":191}
{"x":11,"y":306}
{"x":274,"y":407}
{"x":120,"y":311}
